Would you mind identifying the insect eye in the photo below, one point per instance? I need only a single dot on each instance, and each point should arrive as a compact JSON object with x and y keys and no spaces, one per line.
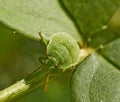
{"x":51,"y":62}
{"x":56,"y":66}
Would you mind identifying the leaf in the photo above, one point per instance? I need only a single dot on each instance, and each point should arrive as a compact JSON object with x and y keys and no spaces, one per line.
{"x":102,"y":38}
{"x":96,"y":80}
{"x":91,"y":17}
{"x":114,"y":22}
{"x":111,"y":52}
{"x":30,"y":17}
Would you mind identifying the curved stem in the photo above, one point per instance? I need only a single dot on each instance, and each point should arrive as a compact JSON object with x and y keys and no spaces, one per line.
{"x":25,"y":85}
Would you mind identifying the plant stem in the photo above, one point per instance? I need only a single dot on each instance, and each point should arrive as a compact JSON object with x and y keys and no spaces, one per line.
{"x":13,"y":91}
{"x":25,"y":85}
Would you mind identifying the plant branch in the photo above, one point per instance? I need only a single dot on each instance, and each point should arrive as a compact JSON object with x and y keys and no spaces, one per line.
{"x":27,"y":84}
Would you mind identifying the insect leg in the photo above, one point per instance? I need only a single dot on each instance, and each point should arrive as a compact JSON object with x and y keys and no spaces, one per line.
{"x":42,"y":58}
{"x":46,"y":83}
{"x":43,"y":38}
{"x":38,"y":69}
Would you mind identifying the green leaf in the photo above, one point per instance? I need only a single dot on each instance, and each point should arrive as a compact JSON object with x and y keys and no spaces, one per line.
{"x":96,"y":80}
{"x":111,"y":52}
{"x":91,"y":16}
{"x":102,"y":38}
{"x":30,"y":17}
{"x":114,"y":22}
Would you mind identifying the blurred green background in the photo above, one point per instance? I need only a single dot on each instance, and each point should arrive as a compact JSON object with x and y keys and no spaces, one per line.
{"x":18,"y":56}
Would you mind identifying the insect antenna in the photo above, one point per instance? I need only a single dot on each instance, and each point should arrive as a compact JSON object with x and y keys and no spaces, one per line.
{"x":36,"y":70}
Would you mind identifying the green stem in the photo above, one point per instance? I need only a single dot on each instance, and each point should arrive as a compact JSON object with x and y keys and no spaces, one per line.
{"x":18,"y":88}
{"x":25,"y":85}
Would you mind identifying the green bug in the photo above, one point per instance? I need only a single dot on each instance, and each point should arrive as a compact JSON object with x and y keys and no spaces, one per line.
{"x":63,"y":51}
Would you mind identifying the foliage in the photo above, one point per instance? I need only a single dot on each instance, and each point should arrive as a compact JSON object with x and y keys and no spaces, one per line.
{"x":94,"y":24}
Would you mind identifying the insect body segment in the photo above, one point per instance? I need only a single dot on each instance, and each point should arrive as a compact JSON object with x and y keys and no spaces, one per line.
{"x":64,"y":49}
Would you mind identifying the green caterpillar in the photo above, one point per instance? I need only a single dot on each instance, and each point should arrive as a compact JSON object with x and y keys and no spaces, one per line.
{"x":63,"y":51}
